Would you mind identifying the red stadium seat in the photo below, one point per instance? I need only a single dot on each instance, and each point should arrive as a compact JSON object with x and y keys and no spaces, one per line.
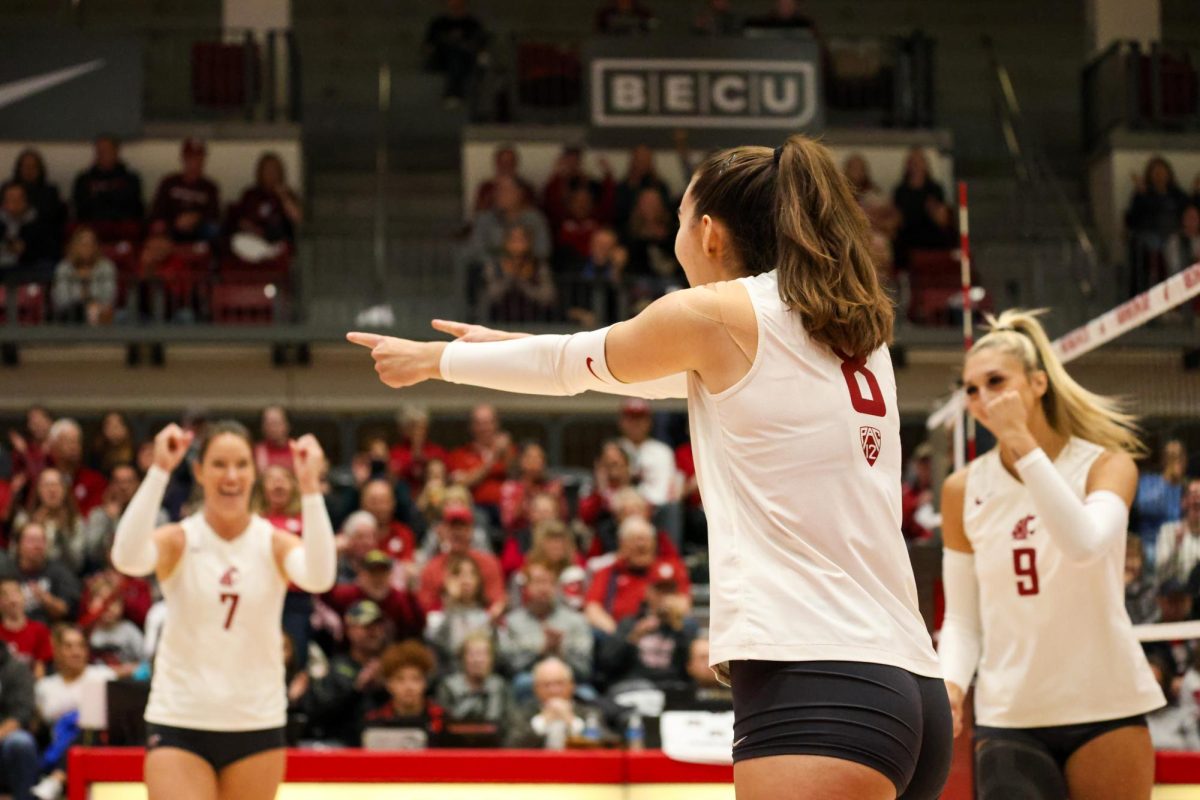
{"x":31,"y":304}
{"x":224,"y":75}
{"x":935,"y":277}
{"x":243,"y":304}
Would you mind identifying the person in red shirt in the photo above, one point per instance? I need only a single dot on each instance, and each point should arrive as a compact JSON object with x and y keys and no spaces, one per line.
{"x":482,"y":465}
{"x":27,"y":639}
{"x":531,"y":480}
{"x":279,"y":501}
{"x":573,"y":235}
{"x":134,"y":594}
{"x":269,"y":209}
{"x":29,"y":452}
{"x":569,"y":176}
{"x":506,"y":162}
{"x":617,"y":591}
{"x":410,"y":457}
{"x":187,"y":205}
{"x":916,"y":497}
{"x":613,"y":471}
{"x":65,"y":447}
{"x":378,"y":498}
{"x":274,"y":448}
{"x":695,"y":523}
{"x":373,"y":582}
{"x":540,"y":509}
{"x":455,"y":532}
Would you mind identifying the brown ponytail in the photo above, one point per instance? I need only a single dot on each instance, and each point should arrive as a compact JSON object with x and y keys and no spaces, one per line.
{"x":798,"y":214}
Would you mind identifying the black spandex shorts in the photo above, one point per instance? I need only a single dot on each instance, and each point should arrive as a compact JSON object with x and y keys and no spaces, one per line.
{"x":1059,"y":741}
{"x":218,"y":748}
{"x":886,"y":718}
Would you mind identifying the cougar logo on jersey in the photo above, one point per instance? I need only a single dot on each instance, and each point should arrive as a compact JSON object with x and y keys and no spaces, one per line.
{"x":870,"y":439}
{"x":1022,"y":530}
{"x":231,"y":576}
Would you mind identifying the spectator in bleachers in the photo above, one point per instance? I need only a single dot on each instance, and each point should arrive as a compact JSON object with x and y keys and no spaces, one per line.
{"x":507,"y":167}
{"x":1156,"y":205}
{"x":187,"y":205}
{"x":432,"y":496}
{"x":1178,"y":549}
{"x":653,"y":644}
{"x":1140,"y":589}
{"x":354,"y":685}
{"x":1159,"y":497}
{"x":19,"y":763}
{"x":568,"y":177}
{"x":623,"y":504}
{"x":1171,"y":727}
{"x":717,"y":19}
{"x":405,"y":669}
{"x":64,"y":444}
{"x":510,"y":210}
{"x":1183,"y":247}
{"x":785,"y":16}
{"x":695,"y":523}
{"x":373,"y":581}
{"x":881,"y":214}
{"x":28,"y":244}
{"x":917,"y":198}
{"x":650,"y":237}
{"x":101,"y":525}
{"x":600,"y":297}
{"x":617,"y":591}
{"x":708,"y":693}
{"x":115,"y":641}
{"x":456,"y":533}
{"x":274,"y":448}
{"x":545,"y":626}
{"x":462,"y":609}
{"x":1174,"y":605}
{"x":378,"y":497}
{"x":554,"y":545}
{"x":554,"y":714}
{"x":919,"y":516}
{"x":266,"y":217}
{"x":531,"y":479}
{"x":278,"y":498}
{"x":55,"y":511}
{"x":51,"y":590}
{"x":29,"y":170}
{"x":482,"y":464}
{"x":641,"y":175}
{"x":474,"y":693}
{"x":108,"y":191}
{"x":611,"y":472}
{"x":113,"y":444}
{"x":85,"y":282}
{"x":29,"y":640}
{"x":455,"y":45}
{"x":29,"y":453}
{"x":651,"y":460}
{"x":481,"y":528}
{"x":624,"y":18}
{"x":359,"y":536}
{"x":62,"y":693}
{"x":573,"y":235}
{"x":518,"y":285}
{"x":410,"y":457}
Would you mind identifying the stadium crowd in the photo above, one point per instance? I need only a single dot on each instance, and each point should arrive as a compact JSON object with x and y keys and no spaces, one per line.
{"x":481,"y":598}
{"x":1162,"y":223}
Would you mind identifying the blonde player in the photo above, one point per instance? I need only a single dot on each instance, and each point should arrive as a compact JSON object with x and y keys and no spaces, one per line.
{"x":1035,"y":548}
{"x":217,"y":709}
{"x":781,"y":351}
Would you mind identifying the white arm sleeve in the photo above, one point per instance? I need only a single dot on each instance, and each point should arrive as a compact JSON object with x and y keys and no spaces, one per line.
{"x":554,"y":365}
{"x":134,"y":552}
{"x":1082,"y":528}
{"x":959,"y":644}
{"x":313,"y":565}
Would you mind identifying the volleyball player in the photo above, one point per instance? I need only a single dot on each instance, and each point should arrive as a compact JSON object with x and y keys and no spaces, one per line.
{"x":217,"y":708}
{"x":792,"y":401}
{"x":1035,"y":551}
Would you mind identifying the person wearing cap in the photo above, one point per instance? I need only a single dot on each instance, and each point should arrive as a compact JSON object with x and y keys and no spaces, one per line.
{"x":373,"y":581}
{"x":456,"y":531}
{"x":187,"y":205}
{"x":653,"y":461}
{"x":617,"y":591}
{"x":653,"y":643}
{"x":354,"y":685}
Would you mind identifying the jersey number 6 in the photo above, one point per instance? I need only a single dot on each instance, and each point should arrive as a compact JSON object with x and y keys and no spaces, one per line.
{"x":873,"y":405}
{"x":232,"y":599}
{"x":1025,"y":565}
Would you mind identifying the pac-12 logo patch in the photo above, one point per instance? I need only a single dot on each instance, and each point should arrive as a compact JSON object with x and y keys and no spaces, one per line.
{"x":871,"y":441}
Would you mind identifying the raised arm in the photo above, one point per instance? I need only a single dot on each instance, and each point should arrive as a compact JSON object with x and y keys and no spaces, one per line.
{"x":139,"y":548}
{"x":311,"y":562}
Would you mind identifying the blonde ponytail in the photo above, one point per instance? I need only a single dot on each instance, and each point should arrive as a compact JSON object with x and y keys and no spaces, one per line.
{"x":1070,"y":409}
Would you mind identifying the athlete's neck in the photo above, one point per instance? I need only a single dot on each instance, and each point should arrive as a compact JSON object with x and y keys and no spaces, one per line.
{"x":229,"y":527}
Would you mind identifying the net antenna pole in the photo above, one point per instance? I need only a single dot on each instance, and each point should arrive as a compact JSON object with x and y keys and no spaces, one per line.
{"x":964,"y":260}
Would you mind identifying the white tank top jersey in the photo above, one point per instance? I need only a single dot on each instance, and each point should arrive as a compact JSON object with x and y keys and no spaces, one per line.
{"x":219,"y":666}
{"x":799,"y":466}
{"x":1058,"y":646}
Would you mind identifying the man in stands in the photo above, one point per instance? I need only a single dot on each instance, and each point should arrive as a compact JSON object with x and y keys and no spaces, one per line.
{"x":187,"y":205}
{"x":19,"y":763}
{"x":65,"y":446}
{"x":653,"y":461}
{"x":454,"y":44}
{"x":354,"y":686}
{"x":51,"y":590}
{"x":28,"y":639}
{"x":506,"y":163}
{"x":273,"y":449}
{"x":373,"y":582}
{"x":482,"y":464}
{"x":108,"y":191}
{"x":28,"y":245}
{"x":554,"y":706}
{"x":544,"y":627}
{"x":378,"y":498}
{"x":456,"y":532}
{"x":617,"y":591}
{"x":653,"y":644}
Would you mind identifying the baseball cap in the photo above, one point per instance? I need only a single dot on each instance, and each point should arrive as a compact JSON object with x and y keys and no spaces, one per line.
{"x":364,"y":612}
{"x":194,"y":147}
{"x":663,"y":576}
{"x":635,"y":406}
{"x":457,"y":512}
{"x":377,"y":558}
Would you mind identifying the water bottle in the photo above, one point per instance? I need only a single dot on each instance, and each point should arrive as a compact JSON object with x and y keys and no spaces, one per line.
{"x":635,"y":733}
{"x":591,"y":726}
{"x":556,"y":735}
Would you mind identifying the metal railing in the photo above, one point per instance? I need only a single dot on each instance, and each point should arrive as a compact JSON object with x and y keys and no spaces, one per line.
{"x":1141,"y":88}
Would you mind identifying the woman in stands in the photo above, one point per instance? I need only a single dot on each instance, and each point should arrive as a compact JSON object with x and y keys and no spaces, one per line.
{"x":1035,"y":550}
{"x":781,"y":350}
{"x":217,"y":709}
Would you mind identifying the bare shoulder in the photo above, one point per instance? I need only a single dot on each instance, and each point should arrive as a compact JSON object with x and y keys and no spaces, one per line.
{"x":1114,"y":471}
{"x":956,"y":483}
{"x":954,"y":535}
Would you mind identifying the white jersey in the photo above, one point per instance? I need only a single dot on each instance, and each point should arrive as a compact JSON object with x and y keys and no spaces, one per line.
{"x":1058,"y":646}
{"x":799,"y":467}
{"x":219,"y":664}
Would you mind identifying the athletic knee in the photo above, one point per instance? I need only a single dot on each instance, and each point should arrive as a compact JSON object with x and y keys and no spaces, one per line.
{"x":1005,"y":768}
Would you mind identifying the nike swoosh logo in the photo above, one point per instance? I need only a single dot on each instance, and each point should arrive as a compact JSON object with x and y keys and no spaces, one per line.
{"x":739,"y":741}
{"x":594,"y":375}
{"x":18,"y":90}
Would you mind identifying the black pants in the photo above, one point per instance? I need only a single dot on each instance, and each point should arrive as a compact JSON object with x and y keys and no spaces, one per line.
{"x":884,"y":717}
{"x":218,"y":748}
